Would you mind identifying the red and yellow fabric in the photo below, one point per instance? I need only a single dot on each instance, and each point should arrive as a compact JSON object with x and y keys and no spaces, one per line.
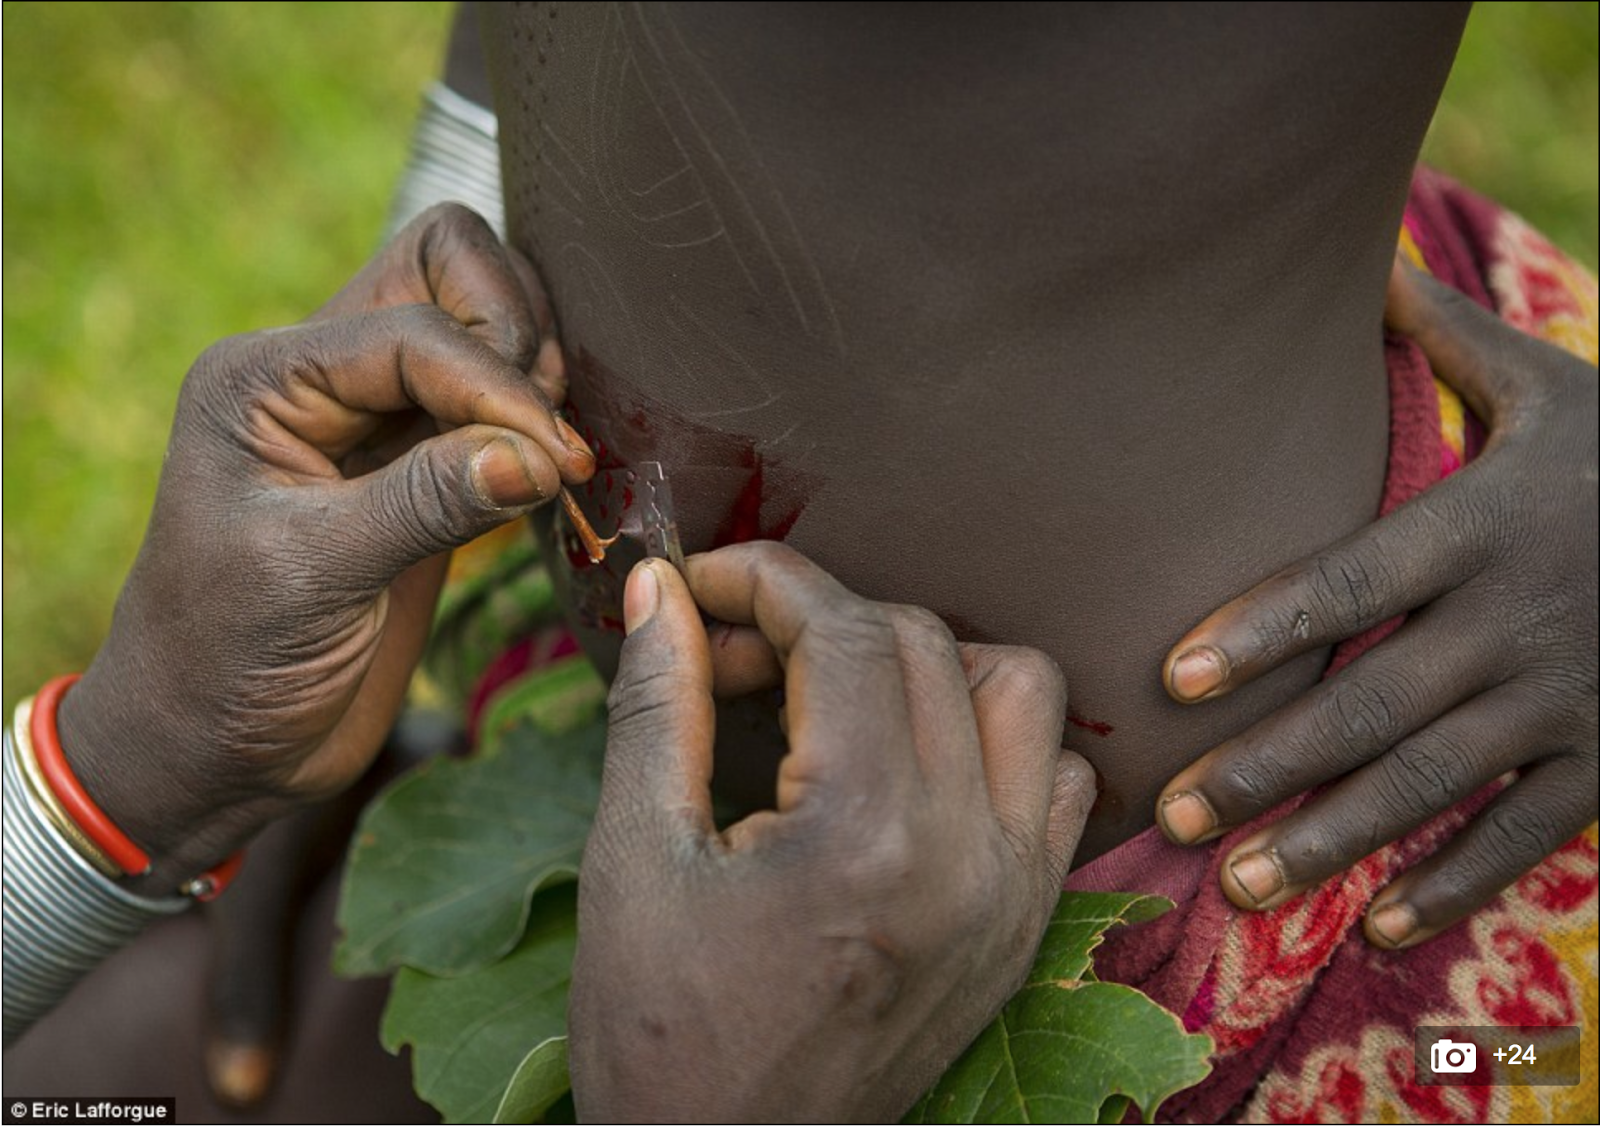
{"x":1311,"y":1023}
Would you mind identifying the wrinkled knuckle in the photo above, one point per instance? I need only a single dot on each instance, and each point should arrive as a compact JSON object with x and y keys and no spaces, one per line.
{"x":856,"y":633}
{"x":1031,"y":675}
{"x":1522,"y":832}
{"x":919,"y":622}
{"x":1362,"y":716}
{"x":224,"y":357}
{"x":241,"y":362}
{"x":1246,"y":784}
{"x":426,"y":510}
{"x":1313,"y":849}
{"x":643,"y":698}
{"x":1420,"y":779}
{"x":1274,"y":635}
{"x":773,"y":555}
{"x":1350,"y":588}
{"x":421,"y":321}
{"x":456,"y":218}
{"x":923,"y":631}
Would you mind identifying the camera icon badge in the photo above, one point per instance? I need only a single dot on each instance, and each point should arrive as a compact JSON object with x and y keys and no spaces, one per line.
{"x":1453,"y":1056}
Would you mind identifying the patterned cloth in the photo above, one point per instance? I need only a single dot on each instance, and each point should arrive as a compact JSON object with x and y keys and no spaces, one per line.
{"x":1310,"y":1022}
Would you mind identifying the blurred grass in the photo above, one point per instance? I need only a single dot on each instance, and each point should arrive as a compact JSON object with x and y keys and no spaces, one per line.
{"x":174,"y":173}
{"x":177,"y":172}
{"x":1519,"y":117}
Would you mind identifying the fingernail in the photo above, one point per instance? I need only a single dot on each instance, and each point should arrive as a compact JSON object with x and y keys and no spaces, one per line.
{"x":572,"y":438}
{"x":641,"y":597}
{"x":1197,"y":672}
{"x":501,"y":477}
{"x":240,"y":1075}
{"x":1395,"y":923}
{"x":1187,"y":817}
{"x":1258,"y":874}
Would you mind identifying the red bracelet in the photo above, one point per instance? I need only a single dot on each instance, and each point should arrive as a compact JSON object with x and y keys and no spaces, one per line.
{"x":69,"y":792}
{"x":84,"y":811}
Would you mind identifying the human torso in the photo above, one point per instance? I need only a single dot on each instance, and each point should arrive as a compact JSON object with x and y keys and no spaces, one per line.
{"x":1061,"y":321}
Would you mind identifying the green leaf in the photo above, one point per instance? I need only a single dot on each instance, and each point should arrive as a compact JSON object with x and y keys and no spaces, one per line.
{"x":470,"y":1034}
{"x":1067,"y":1048}
{"x":540,"y":1080}
{"x":1078,"y":926}
{"x":445,"y":862}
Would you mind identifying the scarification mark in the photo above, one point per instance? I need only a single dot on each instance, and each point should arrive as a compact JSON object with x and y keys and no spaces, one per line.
{"x":661,"y":184}
{"x":544,"y":159}
{"x":742,"y":188}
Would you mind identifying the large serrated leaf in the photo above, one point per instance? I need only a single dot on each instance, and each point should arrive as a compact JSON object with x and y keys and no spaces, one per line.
{"x":444,"y":863}
{"x":538,"y":1084}
{"x":1066,"y":1045}
{"x":470,"y":1035}
{"x":1078,"y":925}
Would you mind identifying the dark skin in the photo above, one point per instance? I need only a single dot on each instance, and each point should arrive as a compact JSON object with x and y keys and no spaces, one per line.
{"x":876,"y":946}
{"x":339,"y":423}
{"x":1466,"y":723}
{"x":1192,"y":591}
{"x":1049,"y":375}
{"x":257,"y":661}
{"x":1076,"y":366}
{"x":1069,"y":403}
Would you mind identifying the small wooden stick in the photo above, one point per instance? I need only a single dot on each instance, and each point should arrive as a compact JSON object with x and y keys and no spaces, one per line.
{"x":593,"y":543}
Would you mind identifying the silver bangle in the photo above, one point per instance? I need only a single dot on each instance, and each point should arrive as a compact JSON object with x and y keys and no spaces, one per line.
{"x":61,"y":918}
{"x":455,"y":155}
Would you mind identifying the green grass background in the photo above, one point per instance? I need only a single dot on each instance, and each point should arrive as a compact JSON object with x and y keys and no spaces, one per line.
{"x":177,"y":172}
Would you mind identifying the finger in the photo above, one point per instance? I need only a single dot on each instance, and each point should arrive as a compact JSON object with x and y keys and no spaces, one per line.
{"x":1421,"y":672}
{"x":1523,"y":825}
{"x":322,"y":379}
{"x":939,"y":700}
{"x":1071,"y":800}
{"x":448,"y":256}
{"x":1019,"y":698}
{"x":1430,"y":545}
{"x":252,"y":932}
{"x":1493,"y":365}
{"x":440,"y":494}
{"x":742,"y":661}
{"x":657,"y":777}
{"x":849,"y":725}
{"x":1424,"y":775}
{"x":549,"y":366}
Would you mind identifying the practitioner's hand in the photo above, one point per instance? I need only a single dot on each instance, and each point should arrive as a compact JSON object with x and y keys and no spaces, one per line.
{"x":828,"y":959}
{"x":1494,"y":670}
{"x":314,"y":475}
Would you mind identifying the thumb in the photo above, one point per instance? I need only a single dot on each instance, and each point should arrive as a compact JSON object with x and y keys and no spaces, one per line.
{"x":1469,"y":347}
{"x":444,"y":492}
{"x":662,"y":719}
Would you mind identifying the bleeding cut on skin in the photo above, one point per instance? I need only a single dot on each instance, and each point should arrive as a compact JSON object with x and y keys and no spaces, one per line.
{"x":746,"y":493}
{"x":765,"y":497}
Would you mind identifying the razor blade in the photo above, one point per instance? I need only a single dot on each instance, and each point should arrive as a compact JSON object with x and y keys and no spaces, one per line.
{"x":656,"y":517}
